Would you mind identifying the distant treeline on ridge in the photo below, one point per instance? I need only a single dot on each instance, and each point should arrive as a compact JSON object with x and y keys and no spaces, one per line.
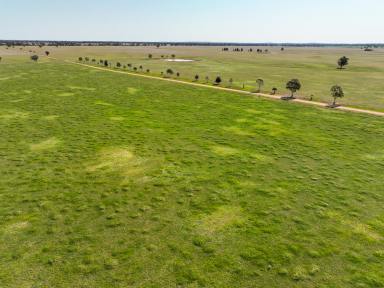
{"x":159,"y":44}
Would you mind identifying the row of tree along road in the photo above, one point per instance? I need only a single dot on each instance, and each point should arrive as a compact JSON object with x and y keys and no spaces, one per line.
{"x":293,"y":85}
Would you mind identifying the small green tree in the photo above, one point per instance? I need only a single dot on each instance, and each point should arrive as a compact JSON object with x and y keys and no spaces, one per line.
{"x":169,"y":72}
{"x":197,"y":77}
{"x":218,"y":80}
{"x":260,"y":83}
{"x":80,"y":59}
{"x":150,"y":56}
{"x":336,"y":92}
{"x":230,"y":81}
{"x":178,"y":74}
{"x":343,"y":61}
{"x":118,"y":64}
{"x":106,"y":63}
{"x":274,"y":91}
{"x":47,"y":53}
{"x":34,"y":58}
{"x":293,"y":85}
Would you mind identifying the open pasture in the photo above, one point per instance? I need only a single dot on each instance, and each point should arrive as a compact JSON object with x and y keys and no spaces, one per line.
{"x":316,"y":68}
{"x":108,"y":180}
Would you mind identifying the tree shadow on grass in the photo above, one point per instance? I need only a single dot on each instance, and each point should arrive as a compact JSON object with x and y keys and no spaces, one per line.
{"x":333,"y":106}
{"x":288,"y":98}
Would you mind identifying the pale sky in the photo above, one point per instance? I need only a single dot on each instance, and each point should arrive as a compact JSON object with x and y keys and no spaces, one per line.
{"x":300,"y":21}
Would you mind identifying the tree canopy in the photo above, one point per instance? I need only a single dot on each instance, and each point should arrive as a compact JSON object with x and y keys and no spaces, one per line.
{"x":336,"y":92}
{"x":343,"y":61}
{"x":218,"y":80}
{"x":34,"y":58}
{"x":293,"y":85}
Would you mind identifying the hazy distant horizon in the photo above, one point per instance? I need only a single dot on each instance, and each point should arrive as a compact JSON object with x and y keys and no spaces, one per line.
{"x":241,"y":21}
{"x":193,"y":42}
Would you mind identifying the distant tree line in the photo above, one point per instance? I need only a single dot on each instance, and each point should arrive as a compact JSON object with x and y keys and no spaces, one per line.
{"x":226,"y":49}
{"x":12,"y":43}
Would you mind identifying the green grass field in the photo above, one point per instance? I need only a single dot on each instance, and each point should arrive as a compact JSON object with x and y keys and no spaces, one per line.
{"x":108,"y":180}
{"x":363,"y":80}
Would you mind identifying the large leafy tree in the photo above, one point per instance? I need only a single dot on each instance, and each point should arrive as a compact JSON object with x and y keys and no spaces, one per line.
{"x":293,"y":85}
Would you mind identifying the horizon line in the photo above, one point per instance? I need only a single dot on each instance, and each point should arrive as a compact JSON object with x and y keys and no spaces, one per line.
{"x":198,"y":42}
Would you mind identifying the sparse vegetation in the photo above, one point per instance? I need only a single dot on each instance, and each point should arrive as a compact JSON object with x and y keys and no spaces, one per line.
{"x":274,"y":69}
{"x":260,"y":83}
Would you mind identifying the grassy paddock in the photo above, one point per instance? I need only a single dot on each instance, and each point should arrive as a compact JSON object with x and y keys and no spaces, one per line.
{"x":115,"y":181}
{"x":363,"y":80}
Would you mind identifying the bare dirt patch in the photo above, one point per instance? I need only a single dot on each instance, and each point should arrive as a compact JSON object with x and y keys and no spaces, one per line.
{"x":223,"y":218}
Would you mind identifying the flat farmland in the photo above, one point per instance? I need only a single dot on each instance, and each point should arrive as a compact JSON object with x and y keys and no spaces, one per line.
{"x":109,"y":180}
{"x":316,"y":68}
